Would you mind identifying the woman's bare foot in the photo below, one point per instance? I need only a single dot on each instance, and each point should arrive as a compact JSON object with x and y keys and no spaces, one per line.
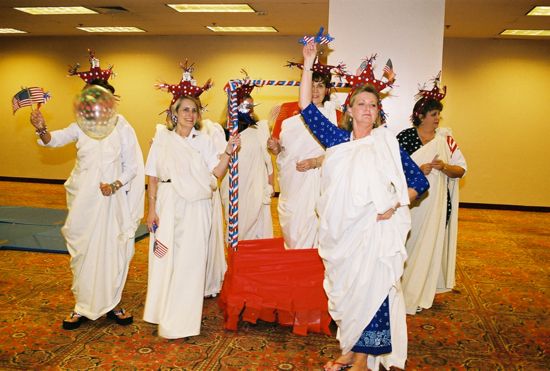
{"x":359,"y":362}
{"x":341,"y":363}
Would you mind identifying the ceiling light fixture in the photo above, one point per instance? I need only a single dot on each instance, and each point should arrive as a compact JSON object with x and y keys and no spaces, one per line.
{"x":540,"y":10}
{"x":111,"y":29}
{"x":56,"y":10}
{"x":525,"y":33}
{"x":11,"y":30}
{"x":241,"y":29}
{"x":212,"y":8}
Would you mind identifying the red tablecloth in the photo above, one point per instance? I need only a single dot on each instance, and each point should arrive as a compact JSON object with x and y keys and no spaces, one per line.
{"x":264,"y":281}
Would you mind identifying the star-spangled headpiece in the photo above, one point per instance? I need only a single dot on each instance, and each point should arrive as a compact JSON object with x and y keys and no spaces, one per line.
{"x":365,"y":75}
{"x":95,"y":71}
{"x":187,"y":85}
{"x":435,"y":93}
{"x":245,"y":88}
{"x":325,"y":69}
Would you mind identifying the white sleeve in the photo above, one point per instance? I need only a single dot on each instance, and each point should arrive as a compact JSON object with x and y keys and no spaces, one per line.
{"x":62,"y":137}
{"x":151,"y":164}
{"x":128,"y":151}
{"x":209,"y":153}
{"x":457,"y":159}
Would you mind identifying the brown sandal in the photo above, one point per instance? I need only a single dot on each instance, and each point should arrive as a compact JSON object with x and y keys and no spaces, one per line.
{"x":74,"y":321}
{"x":120,"y":317}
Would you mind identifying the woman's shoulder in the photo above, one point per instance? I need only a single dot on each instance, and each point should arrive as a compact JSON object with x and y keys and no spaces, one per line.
{"x":407,"y":131}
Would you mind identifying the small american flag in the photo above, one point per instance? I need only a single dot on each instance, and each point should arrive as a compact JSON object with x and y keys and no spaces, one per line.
{"x":159,"y":249}
{"x":388,"y":71}
{"x":29,"y":96}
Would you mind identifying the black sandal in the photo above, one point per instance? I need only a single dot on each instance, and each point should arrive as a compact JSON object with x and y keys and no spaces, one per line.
{"x":73,"y":325}
{"x":118,"y":316}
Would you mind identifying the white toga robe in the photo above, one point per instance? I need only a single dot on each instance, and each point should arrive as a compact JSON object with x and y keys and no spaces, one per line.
{"x":216,"y":264}
{"x":363,"y":257}
{"x":299,"y":191}
{"x":432,"y":245}
{"x":100,"y":230}
{"x":176,"y":281}
{"x":255,"y":165}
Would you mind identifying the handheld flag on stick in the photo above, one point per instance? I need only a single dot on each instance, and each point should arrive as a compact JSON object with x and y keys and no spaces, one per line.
{"x":29,"y":96}
{"x":318,"y":39}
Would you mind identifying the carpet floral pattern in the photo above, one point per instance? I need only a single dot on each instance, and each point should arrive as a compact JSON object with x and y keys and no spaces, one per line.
{"x":497,"y":318}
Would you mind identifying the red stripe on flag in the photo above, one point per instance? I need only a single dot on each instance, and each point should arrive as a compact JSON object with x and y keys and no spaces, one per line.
{"x":159,"y":249}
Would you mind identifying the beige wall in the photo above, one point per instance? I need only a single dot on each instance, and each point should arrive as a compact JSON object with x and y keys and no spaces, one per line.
{"x":139,"y":62}
{"x":497,"y":103}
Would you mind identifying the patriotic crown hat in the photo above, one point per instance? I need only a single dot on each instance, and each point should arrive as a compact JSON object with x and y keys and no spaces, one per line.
{"x":365,"y":75}
{"x":436,"y":93}
{"x":95,"y":71}
{"x":187,"y":85}
{"x":245,"y":88}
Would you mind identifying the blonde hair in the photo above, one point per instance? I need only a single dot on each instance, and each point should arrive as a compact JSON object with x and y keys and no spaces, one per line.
{"x":173,"y":112}
{"x":346,"y":122}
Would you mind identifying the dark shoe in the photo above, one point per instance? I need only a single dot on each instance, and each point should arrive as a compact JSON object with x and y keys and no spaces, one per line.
{"x":74,"y":321}
{"x":120,"y":317}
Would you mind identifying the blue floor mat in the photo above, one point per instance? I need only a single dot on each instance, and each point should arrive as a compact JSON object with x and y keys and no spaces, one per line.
{"x":37,"y":229}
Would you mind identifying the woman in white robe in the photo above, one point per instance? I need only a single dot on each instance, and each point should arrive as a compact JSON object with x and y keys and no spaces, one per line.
{"x":216,"y":264}
{"x":255,"y":177}
{"x":180,"y":165}
{"x":105,"y":200}
{"x":364,"y":222}
{"x":431,"y":246}
{"x":299,"y":160}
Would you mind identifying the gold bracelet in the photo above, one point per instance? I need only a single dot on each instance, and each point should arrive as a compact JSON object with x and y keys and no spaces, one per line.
{"x":229,"y":154}
{"x":153,"y":197}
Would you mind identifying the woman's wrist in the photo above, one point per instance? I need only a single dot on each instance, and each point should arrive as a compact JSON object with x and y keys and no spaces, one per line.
{"x":41,"y":131}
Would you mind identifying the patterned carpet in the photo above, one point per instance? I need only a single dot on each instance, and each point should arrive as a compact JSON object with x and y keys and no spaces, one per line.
{"x":496,"y":319}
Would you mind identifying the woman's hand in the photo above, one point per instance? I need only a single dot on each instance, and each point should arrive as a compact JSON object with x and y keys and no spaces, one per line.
{"x":233,"y":143}
{"x":426,"y":168}
{"x":309,"y":52}
{"x":274,"y":146}
{"x":105,"y":189}
{"x":388,"y":214}
{"x":152,"y":220}
{"x":309,"y":163}
{"x":37,"y":120}
{"x":438,"y":164}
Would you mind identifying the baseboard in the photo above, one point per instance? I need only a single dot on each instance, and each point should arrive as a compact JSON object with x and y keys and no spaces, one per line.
{"x":471,"y":205}
{"x":32,"y":180}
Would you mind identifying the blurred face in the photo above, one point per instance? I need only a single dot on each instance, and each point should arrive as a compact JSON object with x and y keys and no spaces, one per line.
{"x":364,"y":110}
{"x":188,"y":114}
{"x":318,"y":92}
{"x":250,"y":104}
{"x":431,"y":119}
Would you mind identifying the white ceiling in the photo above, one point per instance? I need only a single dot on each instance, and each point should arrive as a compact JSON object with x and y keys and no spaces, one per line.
{"x":463,"y":18}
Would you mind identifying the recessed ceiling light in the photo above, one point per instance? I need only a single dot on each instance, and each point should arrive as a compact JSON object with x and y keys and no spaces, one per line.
{"x":212,"y":8}
{"x":540,"y":10}
{"x":111,"y":29}
{"x":241,"y":29}
{"x":525,"y":33}
{"x":50,"y":10}
{"x":11,"y":30}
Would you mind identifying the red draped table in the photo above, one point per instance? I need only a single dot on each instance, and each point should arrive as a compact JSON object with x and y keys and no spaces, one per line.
{"x":264,"y":281}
